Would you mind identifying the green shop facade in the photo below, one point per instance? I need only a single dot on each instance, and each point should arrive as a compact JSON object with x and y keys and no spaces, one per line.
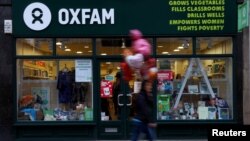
{"x":68,"y":54}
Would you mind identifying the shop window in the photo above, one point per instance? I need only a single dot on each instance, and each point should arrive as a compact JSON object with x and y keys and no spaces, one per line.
{"x":54,"y":90}
{"x":34,"y":46}
{"x":174,"y":46}
{"x":113,"y":46}
{"x":195,"y":89}
{"x":214,"y":45}
{"x":73,"y":47}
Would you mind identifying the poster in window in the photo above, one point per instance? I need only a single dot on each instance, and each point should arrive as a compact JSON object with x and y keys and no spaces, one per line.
{"x":106,"y":89}
{"x":165,"y":82}
{"x":212,"y":112}
{"x":223,"y":113}
{"x":43,"y":93}
{"x":83,"y":70}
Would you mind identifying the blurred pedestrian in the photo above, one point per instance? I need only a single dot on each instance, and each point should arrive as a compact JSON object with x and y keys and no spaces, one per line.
{"x":143,"y":120}
{"x":116,"y":92}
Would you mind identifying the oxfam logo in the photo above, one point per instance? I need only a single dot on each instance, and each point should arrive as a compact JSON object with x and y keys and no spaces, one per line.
{"x":37,"y":16}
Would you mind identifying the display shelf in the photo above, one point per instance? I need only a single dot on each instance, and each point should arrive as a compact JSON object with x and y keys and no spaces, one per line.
{"x":28,"y":65}
{"x":35,"y":77}
{"x":35,"y":70}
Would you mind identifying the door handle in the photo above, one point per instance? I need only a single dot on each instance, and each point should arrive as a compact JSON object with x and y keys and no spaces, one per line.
{"x":131,"y":100}
{"x":118,"y":99}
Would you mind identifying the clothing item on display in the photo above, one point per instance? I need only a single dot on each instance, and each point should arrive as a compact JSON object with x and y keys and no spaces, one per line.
{"x":65,"y":86}
{"x":79,"y":92}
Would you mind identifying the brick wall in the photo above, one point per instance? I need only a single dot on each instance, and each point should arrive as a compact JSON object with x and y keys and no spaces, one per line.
{"x":6,"y":76}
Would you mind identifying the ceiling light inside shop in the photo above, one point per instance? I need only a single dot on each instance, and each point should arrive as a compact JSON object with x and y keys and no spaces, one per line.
{"x":58,"y":43}
{"x":176,"y":50}
{"x":108,"y":63}
{"x":103,"y":54}
{"x":118,"y":68}
{"x":67,"y":49}
{"x":90,"y":51}
{"x":86,"y":46}
{"x":159,"y":46}
{"x":164,"y":52}
{"x":180,"y":47}
{"x":79,"y":52}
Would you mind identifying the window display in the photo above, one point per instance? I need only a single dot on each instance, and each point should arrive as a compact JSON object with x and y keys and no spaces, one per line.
{"x":47,"y":90}
{"x":186,"y":90}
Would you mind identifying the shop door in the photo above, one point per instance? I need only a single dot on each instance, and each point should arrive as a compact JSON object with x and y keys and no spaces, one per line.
{"x":115,"y":102}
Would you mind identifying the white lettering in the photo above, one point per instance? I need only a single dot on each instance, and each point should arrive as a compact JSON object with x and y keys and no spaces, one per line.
{"x":63,"y":16}
{"x":244,"y":133}
{"x":108,"y":16}
{"x":215,"y":132}
{"x":74,"y":16}
{"x":85,"y":15}
{"x":95,"y":17}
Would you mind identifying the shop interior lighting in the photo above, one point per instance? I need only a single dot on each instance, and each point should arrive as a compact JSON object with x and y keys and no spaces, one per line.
{"x":180,"y":47}
{"x":90,"y":51}
{"x":159,"y":46}
{"x":118,"y":68}
{"x":86,"y":46}
{"x":176,"y":50}
{"x":103,"y":54}
{"x":59,"y":43}
{"x":67,"y":49}
{"x":164,"y":52}
{"x":79,"y":52}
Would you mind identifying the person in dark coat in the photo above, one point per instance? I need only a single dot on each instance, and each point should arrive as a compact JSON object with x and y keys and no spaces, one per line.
{"x":116,"y":92}
{"x":143,"y":121}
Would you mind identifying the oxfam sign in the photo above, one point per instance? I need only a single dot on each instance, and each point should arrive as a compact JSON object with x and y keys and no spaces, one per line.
{"x":37,"y":16}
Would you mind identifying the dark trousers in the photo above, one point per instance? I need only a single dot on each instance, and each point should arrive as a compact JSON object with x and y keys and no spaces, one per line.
{"x":140,"y":127}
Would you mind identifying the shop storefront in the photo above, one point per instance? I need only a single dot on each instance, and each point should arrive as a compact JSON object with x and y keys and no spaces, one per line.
{"x":68,"y":55}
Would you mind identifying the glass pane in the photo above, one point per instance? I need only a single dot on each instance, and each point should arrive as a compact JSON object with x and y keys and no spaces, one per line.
{"x":110,"y":89}
{"x":113,"y":46}
{"x":214,"y":45}
{"x":185,"y":92}
{"x":48,"y":91}
{"x":70,"y":46}
{"x":34,"y":46}
{"x":173,"y":46}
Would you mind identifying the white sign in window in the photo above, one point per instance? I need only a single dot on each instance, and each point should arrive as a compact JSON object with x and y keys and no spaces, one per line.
{"x":83,"y":70}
